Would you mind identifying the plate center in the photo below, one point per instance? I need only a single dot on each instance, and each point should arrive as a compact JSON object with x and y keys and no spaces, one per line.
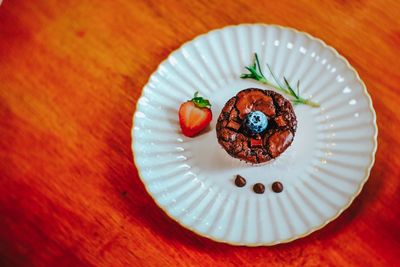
{"x":213,"y":164}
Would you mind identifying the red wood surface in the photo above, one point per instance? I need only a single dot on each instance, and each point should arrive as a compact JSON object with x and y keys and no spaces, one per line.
{"x":70,"y":75}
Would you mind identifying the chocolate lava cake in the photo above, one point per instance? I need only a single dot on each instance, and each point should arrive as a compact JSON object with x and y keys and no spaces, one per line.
{"x":256,"y":125}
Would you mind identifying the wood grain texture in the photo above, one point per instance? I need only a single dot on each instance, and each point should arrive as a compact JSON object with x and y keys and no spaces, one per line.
{"x":70,"y":75}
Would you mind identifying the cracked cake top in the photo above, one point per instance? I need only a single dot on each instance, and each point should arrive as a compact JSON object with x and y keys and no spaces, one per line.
{"x":247,"y":134}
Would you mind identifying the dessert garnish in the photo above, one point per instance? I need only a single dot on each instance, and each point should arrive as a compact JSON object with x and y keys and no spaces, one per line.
{"x":194,"y":115}
{"x":240,"y":181}
{"x":259,"y":188}
{"x":286,"y":88}
{"x":277,"y":187}
{"x":256,"y":142}
{"x":256,"y":122}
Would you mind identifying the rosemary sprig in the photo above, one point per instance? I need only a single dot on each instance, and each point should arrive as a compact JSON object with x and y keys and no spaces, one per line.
{"x":286,"y":88}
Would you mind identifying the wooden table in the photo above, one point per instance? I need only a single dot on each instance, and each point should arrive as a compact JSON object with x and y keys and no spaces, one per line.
{"x":70,"y":75}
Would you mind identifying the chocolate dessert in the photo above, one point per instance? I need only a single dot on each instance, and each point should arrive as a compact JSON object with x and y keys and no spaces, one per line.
{"x":256,"y":125}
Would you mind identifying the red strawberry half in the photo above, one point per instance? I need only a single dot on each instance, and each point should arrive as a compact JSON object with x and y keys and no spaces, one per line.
{"x":194,"y":115}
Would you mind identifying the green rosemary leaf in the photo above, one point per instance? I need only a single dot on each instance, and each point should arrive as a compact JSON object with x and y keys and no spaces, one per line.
{"x":275,"y":78}
{"x":258,"y":64}
{"x":292,"y":92}
{"x":298,"y":87}
{"x":255,"y":72}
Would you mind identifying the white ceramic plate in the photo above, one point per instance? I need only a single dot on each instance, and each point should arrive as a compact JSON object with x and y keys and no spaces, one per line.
{"x":323,"y":170}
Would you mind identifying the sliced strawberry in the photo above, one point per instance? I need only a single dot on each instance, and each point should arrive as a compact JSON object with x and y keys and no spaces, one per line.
{"x":194,"y":115}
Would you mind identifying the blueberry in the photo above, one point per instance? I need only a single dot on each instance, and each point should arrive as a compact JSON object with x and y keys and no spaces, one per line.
{"x":256,"y":122}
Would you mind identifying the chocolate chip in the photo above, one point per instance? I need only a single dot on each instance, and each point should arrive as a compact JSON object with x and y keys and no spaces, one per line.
{"x":234,"y":125}
{"x":255,"y":142}
{"x":240,"y":181}
{"x":277,"y":187}
{"x":259,"y":188}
